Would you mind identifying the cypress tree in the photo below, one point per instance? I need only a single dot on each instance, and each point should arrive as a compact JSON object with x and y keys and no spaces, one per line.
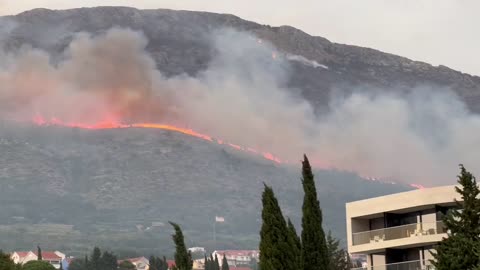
{"x":225,"y":263}
{"x":108,"y":261}
{"x":183,"y":259}
{"x":205,"y":263}
{"x":314,"y":246}
{"x":216,"y":263}
{"x":275,"y":250}
{"x":152,"y":264}
{"x":295,"y":244}
{"x":39,"y":253}
{"x":211,"y":264}
{"x":95,"y":259}
{"x":458,"y":251}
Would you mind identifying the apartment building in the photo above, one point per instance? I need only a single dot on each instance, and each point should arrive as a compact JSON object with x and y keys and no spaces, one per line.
{"x":399,"y":231}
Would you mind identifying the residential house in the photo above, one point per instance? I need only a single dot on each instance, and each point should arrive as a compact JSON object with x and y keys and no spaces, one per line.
{"x":53,"y":257}
{"x":141,"y":263}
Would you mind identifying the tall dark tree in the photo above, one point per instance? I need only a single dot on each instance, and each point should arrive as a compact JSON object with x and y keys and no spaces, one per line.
{"x":314,"y":246}
{"x":6,"y":262}
{"x":216,"y":263}
{"x":152,"y":263}
{"x":61,"y":266}
{"x":458,"y":251}
{"x":39,"y":253}
{"x":156,"y":263}
{"x":225,"y":263}
{"x":339,"y":258}
{"x":183,"y":259}
{"x":275,"y":250}
{"x":206,"y":263}
{"x":108,"y":261}
{"x":295,"y":244}
{"x":95,"y":262}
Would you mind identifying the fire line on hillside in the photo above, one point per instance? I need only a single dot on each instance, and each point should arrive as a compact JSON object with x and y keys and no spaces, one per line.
{"x":41,"y":121}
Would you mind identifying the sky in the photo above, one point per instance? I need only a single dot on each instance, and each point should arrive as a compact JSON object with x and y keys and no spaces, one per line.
{"x":440,"y":32}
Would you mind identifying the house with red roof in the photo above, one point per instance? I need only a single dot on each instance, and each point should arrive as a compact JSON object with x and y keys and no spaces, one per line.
{"x":53,"y":257}
{"x":171,"y":264}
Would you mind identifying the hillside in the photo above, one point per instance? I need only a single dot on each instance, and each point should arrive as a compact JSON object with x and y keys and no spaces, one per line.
{"x":69,"y":188}
{"x":81,"y":187}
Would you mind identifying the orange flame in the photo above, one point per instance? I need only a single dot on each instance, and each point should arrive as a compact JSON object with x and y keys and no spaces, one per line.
{"x":38,"y":120}
{"x":112,"y":124}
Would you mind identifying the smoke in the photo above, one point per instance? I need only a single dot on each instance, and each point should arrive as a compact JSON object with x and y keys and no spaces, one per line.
{"x":243,"y":98}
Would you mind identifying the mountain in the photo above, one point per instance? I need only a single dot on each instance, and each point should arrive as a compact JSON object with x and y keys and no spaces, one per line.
{"x":69,"y":188}
{"x":177,"y":43}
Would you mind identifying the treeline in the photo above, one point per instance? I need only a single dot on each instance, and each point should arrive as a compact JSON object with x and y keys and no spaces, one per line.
{"x":99,"y":260}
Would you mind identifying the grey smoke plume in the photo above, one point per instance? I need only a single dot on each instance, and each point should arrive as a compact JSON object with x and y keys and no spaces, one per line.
{"x":243,"y":98}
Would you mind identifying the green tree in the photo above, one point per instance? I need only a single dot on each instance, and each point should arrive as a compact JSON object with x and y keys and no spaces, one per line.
{"x":39,"y":253}
{"x":339,"y":258}
{"x":275,"y":250}
{"x":156,"y":263}
{"x":216,"y":263}
{"x":211,"y":262}
{"x":127,"y":265}
{"x":6,"y":262}
{"x":95,"y":261}
{"x":38,"y":265}
{"x":183,"y":259}
{"x":225,"y":263}
{"x":108,"y":261}
{"x":152,"y":264}
{"x":295,"y":244}
{"x":314,"y":246}
{"x":458,"y":250}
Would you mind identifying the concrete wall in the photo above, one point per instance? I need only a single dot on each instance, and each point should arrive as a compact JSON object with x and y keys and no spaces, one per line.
{"x":378,"y":259}
{"x":416,"y":200}
{"x":403,"y":200}
{"x":429,"y":219}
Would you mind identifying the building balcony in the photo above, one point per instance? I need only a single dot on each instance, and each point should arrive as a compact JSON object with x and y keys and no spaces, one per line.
{"x":398,"y":232}
{"x":410,"y":265}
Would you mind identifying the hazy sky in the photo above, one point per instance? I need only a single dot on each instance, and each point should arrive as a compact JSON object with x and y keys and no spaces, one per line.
{"x":436,"y":31}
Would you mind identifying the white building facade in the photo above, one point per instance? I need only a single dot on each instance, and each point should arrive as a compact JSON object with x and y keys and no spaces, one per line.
{"x":399,"y":231}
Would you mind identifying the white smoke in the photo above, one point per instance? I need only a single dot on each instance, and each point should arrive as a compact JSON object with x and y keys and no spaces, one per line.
{"x":305,"y":61}
{"x":243,"y":98}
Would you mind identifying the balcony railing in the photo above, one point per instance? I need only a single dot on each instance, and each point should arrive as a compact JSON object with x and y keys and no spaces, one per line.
{"x":404,"y":231}
{"x":410,"y":265}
